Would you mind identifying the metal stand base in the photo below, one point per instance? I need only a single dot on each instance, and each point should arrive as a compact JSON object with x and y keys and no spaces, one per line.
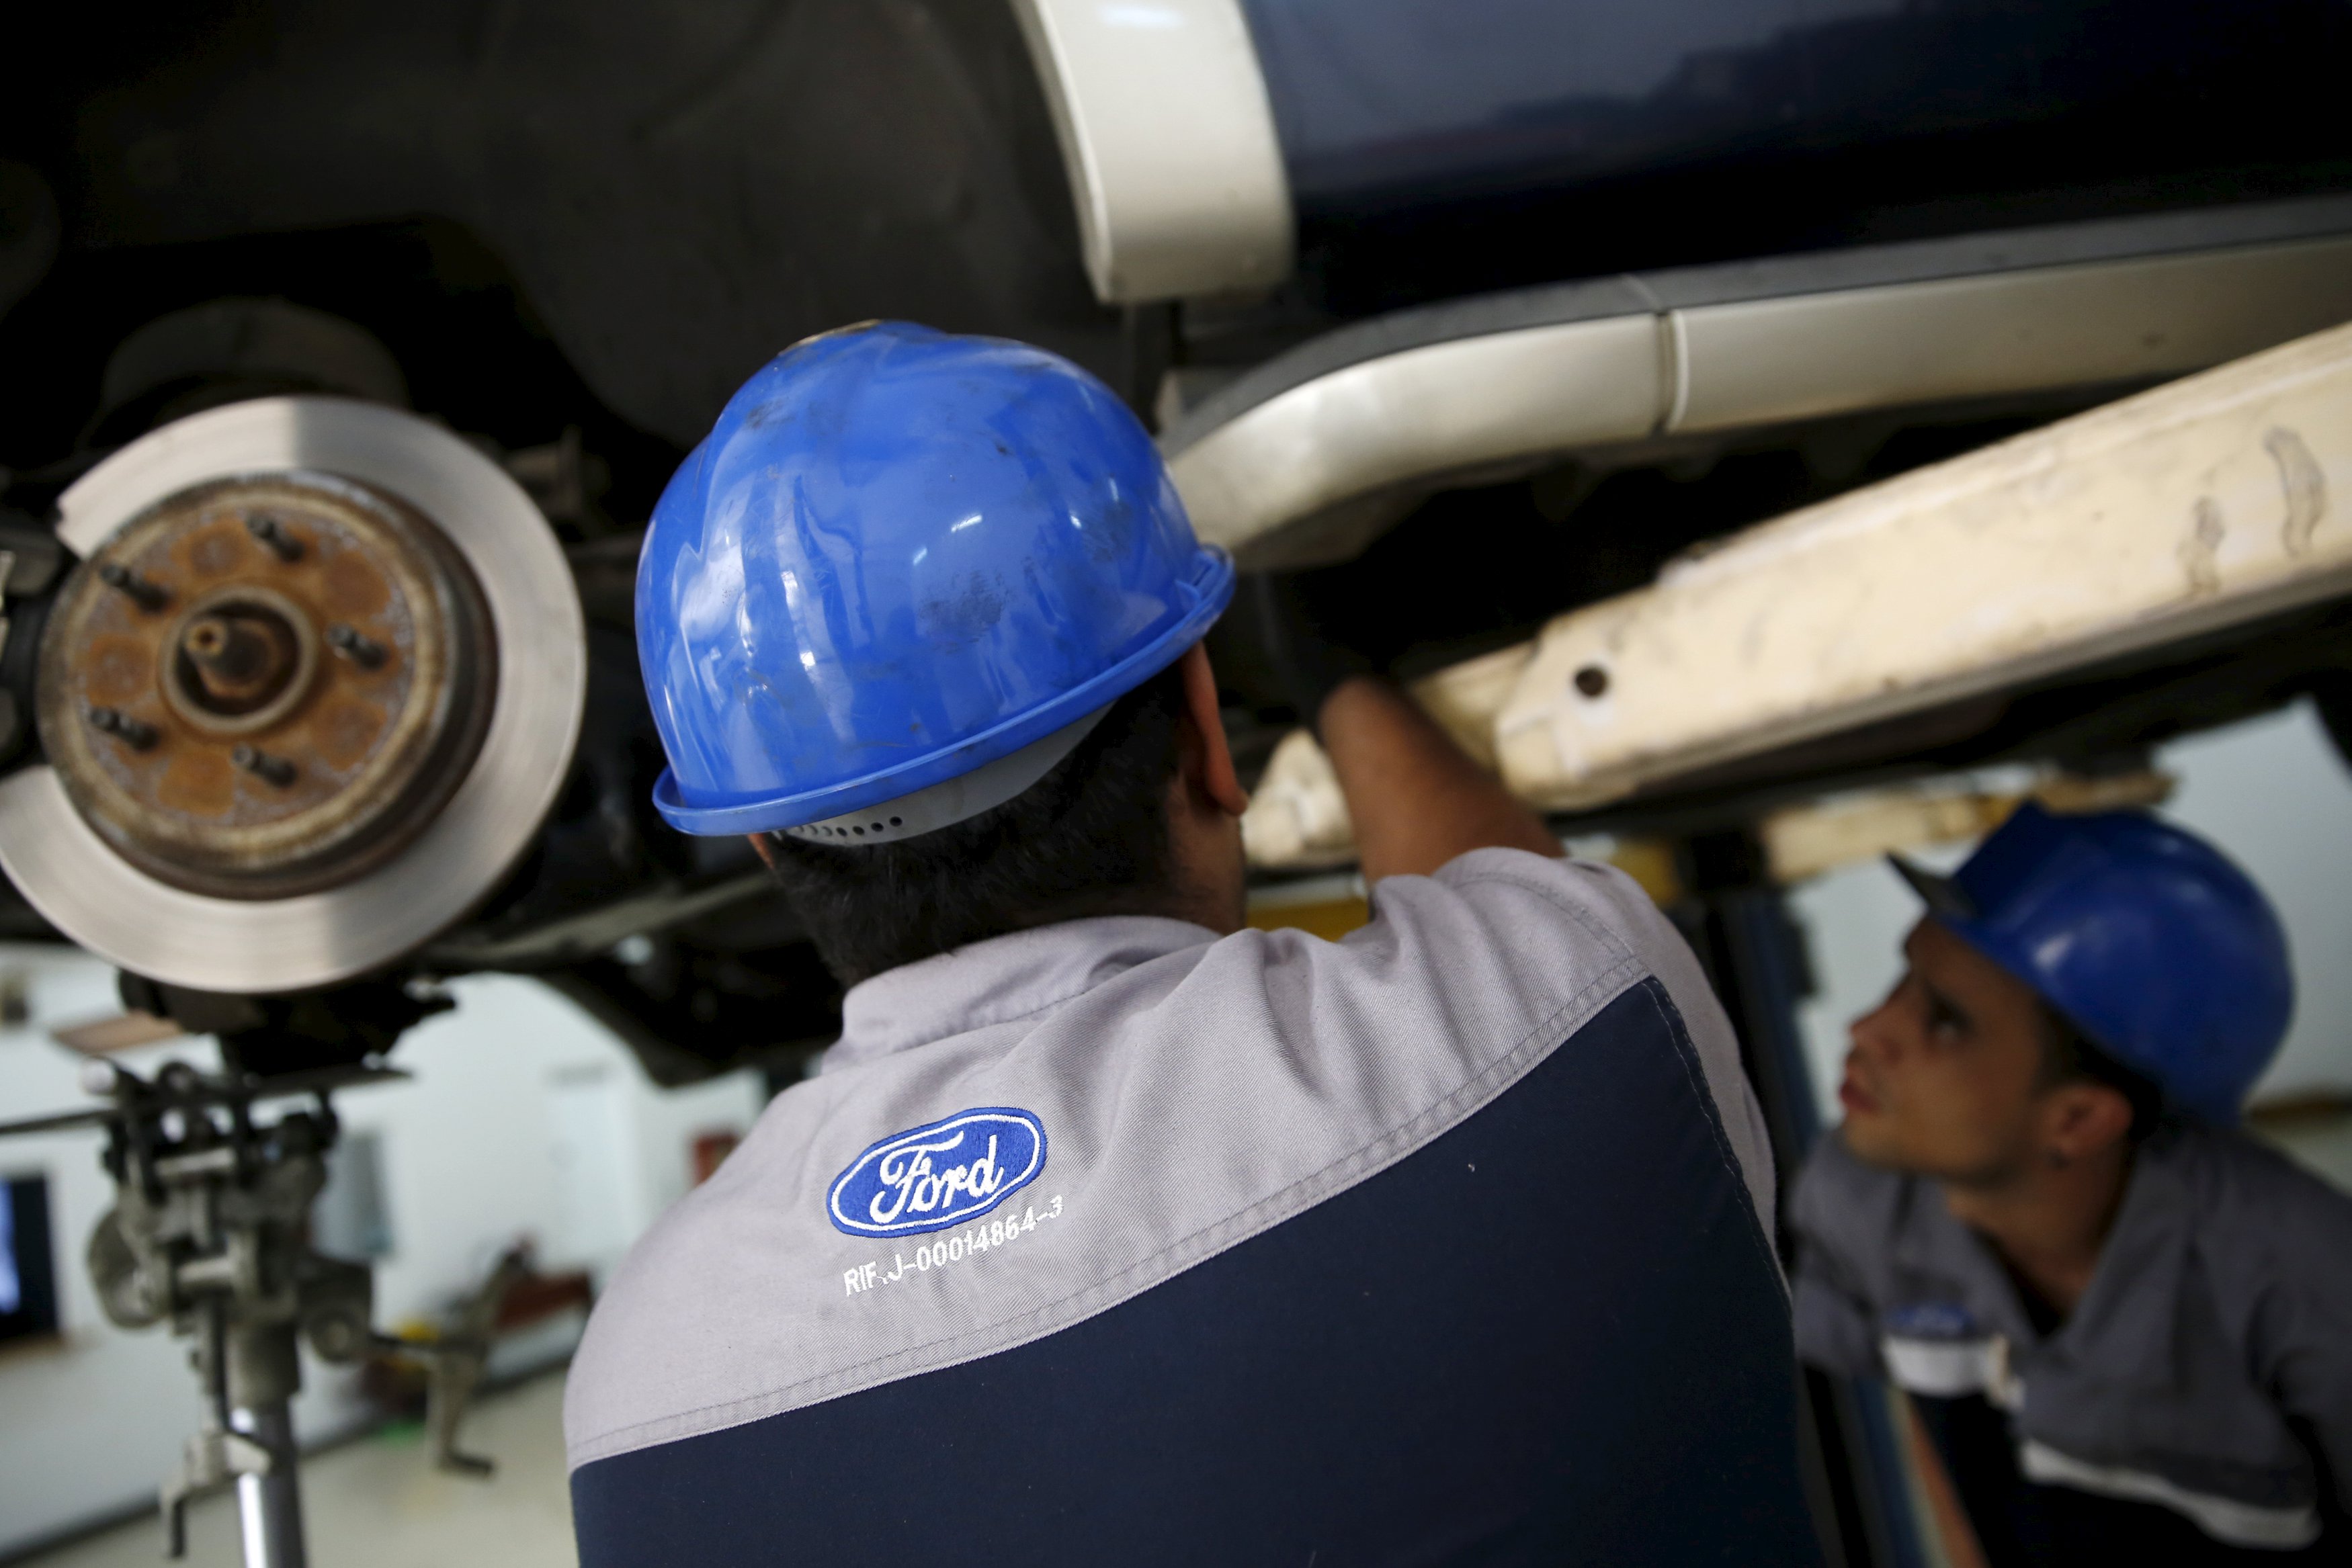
{"x":269,"y":1505}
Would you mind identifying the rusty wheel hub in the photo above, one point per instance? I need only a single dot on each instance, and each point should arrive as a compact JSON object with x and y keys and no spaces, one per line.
{"x":267,"y":685}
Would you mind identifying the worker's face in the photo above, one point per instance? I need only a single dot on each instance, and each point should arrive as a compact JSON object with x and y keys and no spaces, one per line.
{"x":1945,"y":1075}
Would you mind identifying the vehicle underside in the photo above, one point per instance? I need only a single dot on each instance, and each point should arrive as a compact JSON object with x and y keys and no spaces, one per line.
{"x":565,"y":235}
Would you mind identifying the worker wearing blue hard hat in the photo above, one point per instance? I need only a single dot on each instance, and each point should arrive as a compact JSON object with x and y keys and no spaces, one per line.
{"x":1112,"y":1230}
{"x":2127,"y":1326}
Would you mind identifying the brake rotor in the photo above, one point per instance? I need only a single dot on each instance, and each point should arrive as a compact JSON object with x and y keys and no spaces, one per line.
{"x":311,"y":692}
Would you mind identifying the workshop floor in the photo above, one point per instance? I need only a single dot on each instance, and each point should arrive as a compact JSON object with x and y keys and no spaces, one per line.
{"x":376,"y":1503}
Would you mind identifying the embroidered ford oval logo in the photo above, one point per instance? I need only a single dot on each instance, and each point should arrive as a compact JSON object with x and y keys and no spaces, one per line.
{"x":939,"y":1175}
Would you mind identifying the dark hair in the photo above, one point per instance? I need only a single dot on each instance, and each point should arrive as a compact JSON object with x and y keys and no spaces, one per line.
{"x":1089,"y":838}
{"x":2071,"y":1056}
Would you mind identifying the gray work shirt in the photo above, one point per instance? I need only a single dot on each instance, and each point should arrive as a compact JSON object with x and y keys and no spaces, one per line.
{"x":2220,"y":1311}
{"x":1217,"y":1241}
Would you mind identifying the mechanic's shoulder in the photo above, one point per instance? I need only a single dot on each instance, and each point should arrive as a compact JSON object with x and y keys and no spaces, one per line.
{"x":2248,"y":1195}
{"x":1560,"y":875}
{"x":703,"y":1227}
{"x":1543,"y":927}
{"x":649,"y":1298}
{"x":1589,"y":899}
{"x":1841,"y":1200}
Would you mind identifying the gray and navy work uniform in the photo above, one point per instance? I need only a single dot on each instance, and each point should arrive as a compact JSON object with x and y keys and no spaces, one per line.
{"x":1114,"y":1241}
{"x":2197,"y":1404}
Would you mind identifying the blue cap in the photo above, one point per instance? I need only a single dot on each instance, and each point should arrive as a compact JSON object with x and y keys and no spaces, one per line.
{"x":904,"y":562}
{"x":2146,"y":937}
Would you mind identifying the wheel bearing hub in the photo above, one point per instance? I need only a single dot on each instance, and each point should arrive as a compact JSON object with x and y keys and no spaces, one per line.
{"x":205,"y":725}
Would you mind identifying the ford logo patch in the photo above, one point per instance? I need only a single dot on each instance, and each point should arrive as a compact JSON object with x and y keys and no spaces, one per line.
{"x":939,"y":1175}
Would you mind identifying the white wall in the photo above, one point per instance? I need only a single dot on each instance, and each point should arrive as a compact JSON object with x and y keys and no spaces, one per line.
{"x":474,"y":1156}
{"x":2271,"y":793}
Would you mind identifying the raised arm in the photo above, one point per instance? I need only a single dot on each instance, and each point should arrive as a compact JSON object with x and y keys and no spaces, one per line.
{"x":1418,"y":800}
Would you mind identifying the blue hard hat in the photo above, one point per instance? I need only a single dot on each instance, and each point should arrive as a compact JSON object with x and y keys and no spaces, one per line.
{"x":2157,"y":948}
{"x":906,"y":569}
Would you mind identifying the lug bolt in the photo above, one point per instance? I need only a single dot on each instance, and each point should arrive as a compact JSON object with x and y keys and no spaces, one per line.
{"x":138,"y":737}
{"x":261,"y":764}
{"x":133,"y":586}
{"x":273,"y":534}
{"x":359,"y":650}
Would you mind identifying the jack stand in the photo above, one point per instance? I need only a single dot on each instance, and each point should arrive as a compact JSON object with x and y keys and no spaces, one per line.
{"x":209,"y":1230}
{"x":249,"y":1375}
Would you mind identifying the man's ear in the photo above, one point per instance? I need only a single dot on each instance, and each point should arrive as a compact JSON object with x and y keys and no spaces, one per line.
{"x":1207,"y":760}
{"x":2081,"y":1119}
